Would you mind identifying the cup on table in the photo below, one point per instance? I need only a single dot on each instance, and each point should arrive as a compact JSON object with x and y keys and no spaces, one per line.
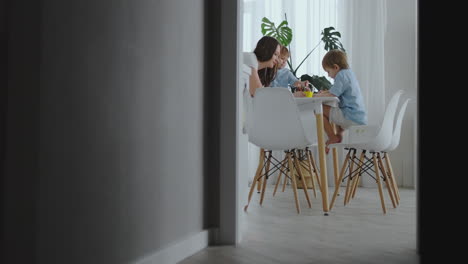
{"x":308,"y":93}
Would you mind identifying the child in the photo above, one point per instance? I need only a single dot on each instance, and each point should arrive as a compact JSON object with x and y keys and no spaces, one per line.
{"x":351,"y":110}
{"x":285,"y":77}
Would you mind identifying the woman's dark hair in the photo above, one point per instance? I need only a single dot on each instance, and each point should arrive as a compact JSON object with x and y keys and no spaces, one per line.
{"x":264,"y":51}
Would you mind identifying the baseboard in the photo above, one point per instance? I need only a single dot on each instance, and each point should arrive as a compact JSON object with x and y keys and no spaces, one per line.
{"x":181,"y":249}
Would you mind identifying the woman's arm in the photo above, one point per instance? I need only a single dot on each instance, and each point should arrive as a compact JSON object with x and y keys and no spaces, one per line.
{"x":254,"y":82}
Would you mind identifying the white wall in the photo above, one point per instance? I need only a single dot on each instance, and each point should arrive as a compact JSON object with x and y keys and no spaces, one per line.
{"x":401,"y":73}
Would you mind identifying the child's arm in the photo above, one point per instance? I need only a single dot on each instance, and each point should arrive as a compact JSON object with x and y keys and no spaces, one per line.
{"x":299,"y":94}
{"x":302,"y":85}
{"x":292,"y":80}
{"x":324,"y":93}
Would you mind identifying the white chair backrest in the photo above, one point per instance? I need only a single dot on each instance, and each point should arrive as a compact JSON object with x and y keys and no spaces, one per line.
{"x":397,"y":128}
{"x":384,"y":136}
{"x":275,"y":122}
{"x":247,"y":105}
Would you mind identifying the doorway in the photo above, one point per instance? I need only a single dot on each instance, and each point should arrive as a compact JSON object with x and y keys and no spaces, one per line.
{"x":231,"y":198}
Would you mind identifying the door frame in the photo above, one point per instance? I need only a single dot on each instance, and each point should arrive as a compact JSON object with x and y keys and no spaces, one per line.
{"x":231,"y":40}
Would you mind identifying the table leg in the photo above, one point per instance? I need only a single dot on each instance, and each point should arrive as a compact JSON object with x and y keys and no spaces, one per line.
{"x":322,"y":161}
{"x":335,"y":159}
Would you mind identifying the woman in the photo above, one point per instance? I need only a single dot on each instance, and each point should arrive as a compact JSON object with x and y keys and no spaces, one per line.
{"x":263,"y":61}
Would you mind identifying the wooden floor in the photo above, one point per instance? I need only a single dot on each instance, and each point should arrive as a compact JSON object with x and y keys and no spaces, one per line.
{"x":357,"y":233}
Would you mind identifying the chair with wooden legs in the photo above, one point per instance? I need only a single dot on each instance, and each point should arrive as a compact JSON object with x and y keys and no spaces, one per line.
{"x":364,"y":139}
{"x":307,"y":162}
{"x":276,"y":125}
{"x":385,"y":163}
{"x":393,"y":146}
{"x":271,"y":165}
{"x":364,"y":164}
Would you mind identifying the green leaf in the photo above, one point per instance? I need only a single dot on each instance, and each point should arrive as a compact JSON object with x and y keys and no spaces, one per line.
{"x":331,"y":40}
{"x":282,"y":33}
{"x":283,"y":23}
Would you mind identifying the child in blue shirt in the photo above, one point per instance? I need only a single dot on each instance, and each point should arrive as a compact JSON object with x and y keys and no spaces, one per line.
{"x":285,"y":78}
{"x":351,"y":110}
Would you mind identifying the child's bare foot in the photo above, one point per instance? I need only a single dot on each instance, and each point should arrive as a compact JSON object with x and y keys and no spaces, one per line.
{"x":332,"y":140}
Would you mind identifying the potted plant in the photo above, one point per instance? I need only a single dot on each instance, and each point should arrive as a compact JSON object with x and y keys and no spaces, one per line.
{"x":284,"y":35}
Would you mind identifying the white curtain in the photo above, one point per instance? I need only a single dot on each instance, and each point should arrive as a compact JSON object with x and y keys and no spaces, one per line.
{"x":306,"y":18}
{"x":363,"y":27}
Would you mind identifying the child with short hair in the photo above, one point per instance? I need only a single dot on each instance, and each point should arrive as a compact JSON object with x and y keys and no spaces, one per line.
{"x":285,"y":77}
{"x":351,"y":110}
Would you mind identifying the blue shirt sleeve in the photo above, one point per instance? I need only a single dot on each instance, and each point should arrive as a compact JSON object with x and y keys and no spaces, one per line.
{"x":283,"y":78}
{"x":338,"y":86}
{"x":291,"y":78}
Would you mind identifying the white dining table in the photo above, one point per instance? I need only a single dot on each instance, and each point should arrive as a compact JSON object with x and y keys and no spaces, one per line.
{"x":314,"y":105}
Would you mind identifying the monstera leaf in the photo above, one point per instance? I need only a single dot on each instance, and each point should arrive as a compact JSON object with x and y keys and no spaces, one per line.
{"x":282,"y":33}
{"x":331,"y":39}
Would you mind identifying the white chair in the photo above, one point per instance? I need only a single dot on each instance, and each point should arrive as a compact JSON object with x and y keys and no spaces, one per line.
{"x":305,"y":155}
{"x":274,"y":123}
{"x":246,"y":121}
{"x":386,"y":157}
{"x":392,"y":147}
{"x":372,"y":140}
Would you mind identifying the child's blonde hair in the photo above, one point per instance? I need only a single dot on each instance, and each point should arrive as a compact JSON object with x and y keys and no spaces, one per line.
{"x":337,"y":57}
{"x":284,"y":52}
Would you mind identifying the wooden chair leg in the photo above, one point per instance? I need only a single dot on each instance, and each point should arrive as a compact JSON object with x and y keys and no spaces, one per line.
{"x":310,"y":170}
{"x":301,"y":175}
{"x":265,"y":180}
{"x":261,"y":161}
{"x":293,"y":180}
{"x":351,"y":167}
{"x":285,"y":176}
{"x":377,"y":176}
{"x":314,"y":167}
{"x":356,"y":185}
{"x":354,"y":179}
{"x":335,"y":164}
{"x":282,"y":165}
{"x":353,"y":187}
{"x":256,"y":178}
{"x":358,"y":176}
{"x":388,"y":184}
{"x":392,"y":175}
{"x":342,"y":172}
{"x":392,"y":182}
{"x":335,"y":158}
